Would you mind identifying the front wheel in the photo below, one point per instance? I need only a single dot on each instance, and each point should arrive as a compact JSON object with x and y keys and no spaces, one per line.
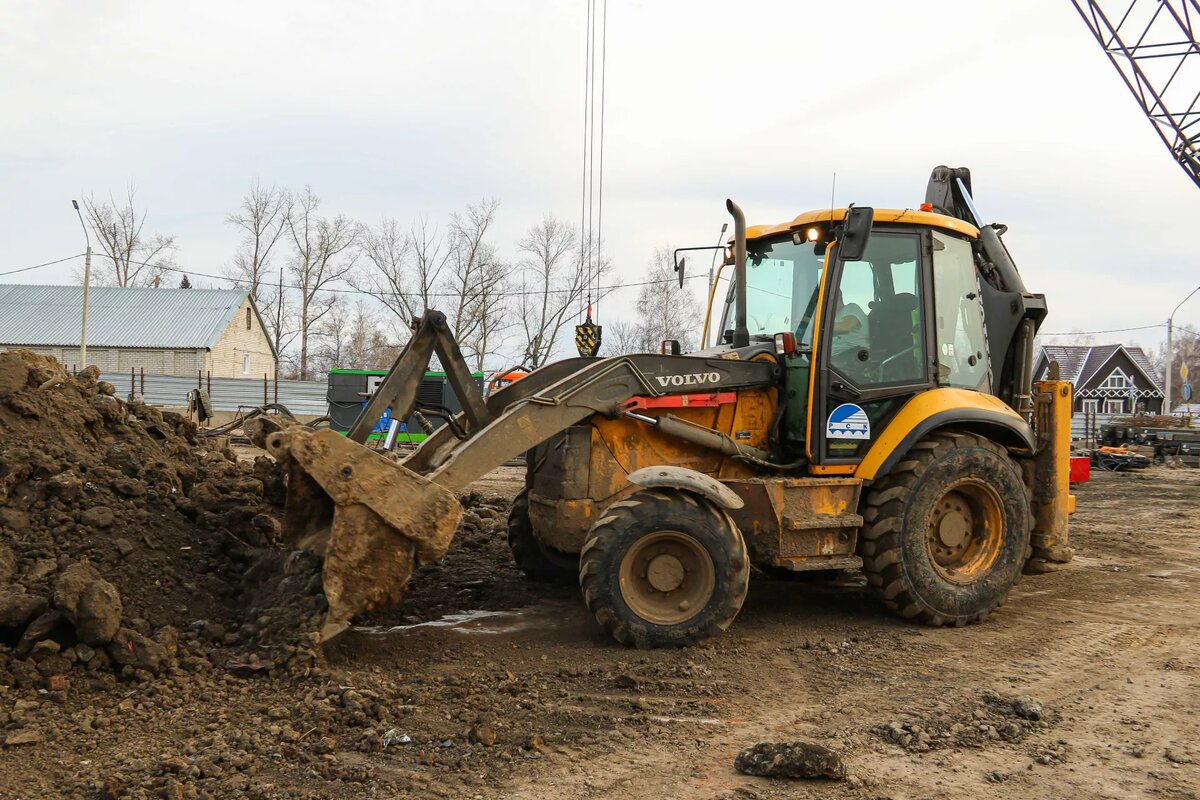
{"x":946,"y":534}
{"x":539,"y":562}
{"x":664,"y":568}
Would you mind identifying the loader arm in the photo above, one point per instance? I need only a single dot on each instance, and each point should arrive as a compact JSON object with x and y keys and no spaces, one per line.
{"x":373,"y":519}
{"x":398,"y":389}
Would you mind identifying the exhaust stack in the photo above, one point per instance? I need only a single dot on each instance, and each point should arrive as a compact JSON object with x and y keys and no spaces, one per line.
{"x":741,"y":334}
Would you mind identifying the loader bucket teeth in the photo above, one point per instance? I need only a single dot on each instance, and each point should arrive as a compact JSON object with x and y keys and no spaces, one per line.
{"x":371,"y":520}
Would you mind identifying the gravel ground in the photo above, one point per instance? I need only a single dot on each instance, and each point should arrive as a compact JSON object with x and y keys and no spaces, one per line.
{"x":483,"y":685}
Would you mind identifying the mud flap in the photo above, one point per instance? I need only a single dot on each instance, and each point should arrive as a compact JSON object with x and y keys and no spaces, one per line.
{"x":369,"y":518}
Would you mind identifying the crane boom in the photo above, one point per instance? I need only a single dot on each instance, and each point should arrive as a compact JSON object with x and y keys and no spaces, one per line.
{"x":1152,"y":43}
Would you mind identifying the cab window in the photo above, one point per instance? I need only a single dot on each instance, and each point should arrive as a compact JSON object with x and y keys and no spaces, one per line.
{"x":875,"y":325}
{"x":962,"y":346}
{"x":781,"y":288}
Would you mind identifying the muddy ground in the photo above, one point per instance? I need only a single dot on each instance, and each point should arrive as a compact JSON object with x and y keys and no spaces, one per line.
{"x":1085,"y":684}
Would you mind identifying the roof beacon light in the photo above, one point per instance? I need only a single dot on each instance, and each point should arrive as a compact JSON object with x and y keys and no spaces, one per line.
{"x":927,"y":206}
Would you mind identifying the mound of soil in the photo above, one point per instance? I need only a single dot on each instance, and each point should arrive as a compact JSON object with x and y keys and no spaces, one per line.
{"x":118,"y":523}
{"x":156,"y":635}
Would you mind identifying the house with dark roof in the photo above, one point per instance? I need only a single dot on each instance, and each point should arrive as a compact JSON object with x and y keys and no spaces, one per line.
{"x":1109,"y":378}
{"x":160,"y":331}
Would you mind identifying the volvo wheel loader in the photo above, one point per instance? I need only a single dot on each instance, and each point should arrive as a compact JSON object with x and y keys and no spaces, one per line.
{"x":870,"y":405}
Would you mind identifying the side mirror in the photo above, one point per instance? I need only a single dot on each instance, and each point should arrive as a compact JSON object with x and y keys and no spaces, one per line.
{"x":679,"y":269}
{"x":855,"y":233}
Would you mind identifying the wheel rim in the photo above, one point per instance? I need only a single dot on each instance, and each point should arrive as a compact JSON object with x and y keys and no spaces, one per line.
{"x":965,"y":531}
{"x":667,"y":577}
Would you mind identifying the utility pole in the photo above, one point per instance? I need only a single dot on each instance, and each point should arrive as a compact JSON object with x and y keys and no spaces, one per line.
{"x":278,"y":325}
{"x":1171,"y":347}
{"x":87,"y":280}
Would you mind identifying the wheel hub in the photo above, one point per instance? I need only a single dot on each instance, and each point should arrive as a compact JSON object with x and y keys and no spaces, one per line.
{"x":953,"y":529}
{"x":665,"y":572}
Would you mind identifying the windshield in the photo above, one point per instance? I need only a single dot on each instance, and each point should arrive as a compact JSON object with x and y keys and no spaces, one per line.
{"x":781,"y":288}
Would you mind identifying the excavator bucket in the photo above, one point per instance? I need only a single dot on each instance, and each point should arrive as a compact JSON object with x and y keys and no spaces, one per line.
{"x":370,"y":519}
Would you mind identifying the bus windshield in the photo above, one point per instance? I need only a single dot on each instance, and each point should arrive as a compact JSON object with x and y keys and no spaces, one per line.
{"x":781,"y":288}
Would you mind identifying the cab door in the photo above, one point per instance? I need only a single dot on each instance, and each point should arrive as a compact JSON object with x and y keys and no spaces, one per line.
{"x":872,"y":346}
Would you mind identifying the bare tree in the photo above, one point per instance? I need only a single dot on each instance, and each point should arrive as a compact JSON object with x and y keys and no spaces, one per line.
{"x":400,"y":268}
{"x":476,"y":282}
{"x":134,"y":256}
{"x":262,"y":221}
{"x":620,"y":337}
{"x":493,"y":311}
{"x":553,"y":282}
{"x":665,"y":310}
{"x":349,"y":336}
{"x":429,"y":264}
{"x":283,"y":327}
{"x":322,"y":255}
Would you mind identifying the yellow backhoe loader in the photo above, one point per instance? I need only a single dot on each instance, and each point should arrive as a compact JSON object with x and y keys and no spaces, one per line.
{"x":870,"y":405}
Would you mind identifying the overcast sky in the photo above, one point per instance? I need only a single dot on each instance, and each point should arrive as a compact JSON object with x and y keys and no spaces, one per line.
{"x":418,"y":108}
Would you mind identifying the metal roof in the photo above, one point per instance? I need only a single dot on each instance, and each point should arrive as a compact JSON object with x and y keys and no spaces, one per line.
{"x":117,"y":317}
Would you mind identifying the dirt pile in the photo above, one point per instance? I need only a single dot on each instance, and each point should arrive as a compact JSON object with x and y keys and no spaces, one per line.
{"x":117,"y":525}
{"x":995,"y":717}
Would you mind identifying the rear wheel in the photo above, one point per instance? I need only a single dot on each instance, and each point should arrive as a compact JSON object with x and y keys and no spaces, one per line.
{"x":664,"y":568}
{"x":946,"y":533}
{"x":539,"y":562}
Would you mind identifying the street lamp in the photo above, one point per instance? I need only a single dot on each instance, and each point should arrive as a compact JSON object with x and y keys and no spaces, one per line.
{"x":1171,"y":344}
{"x":87,"y":280}
{"x":712,"y":267}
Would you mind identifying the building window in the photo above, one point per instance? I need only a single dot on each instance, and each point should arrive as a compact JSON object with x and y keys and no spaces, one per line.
{"x":245,"y":363}
{"x":1117,"y":380}
{"x":1091,"y":406}
{"x":247,"y":318}
{"x":1112,"y":406}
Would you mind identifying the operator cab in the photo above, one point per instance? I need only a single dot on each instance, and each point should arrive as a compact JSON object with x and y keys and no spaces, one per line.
{"x":904,"y":316}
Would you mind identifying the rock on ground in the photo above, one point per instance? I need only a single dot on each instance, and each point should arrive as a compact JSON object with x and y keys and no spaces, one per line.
{"x":790,"y":760}
{"x":89,"y":602}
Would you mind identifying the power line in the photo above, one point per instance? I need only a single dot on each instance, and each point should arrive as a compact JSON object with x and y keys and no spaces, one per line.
{"x":600,"y":192}
{"x":584,"y":256}
{"x":1110,"y":330}
{"x":39,"y":266}
{"x":294,"y":287}
{"x":610,"y":287}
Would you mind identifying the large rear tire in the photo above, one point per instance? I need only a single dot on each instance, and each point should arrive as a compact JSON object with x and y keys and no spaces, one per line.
{"x":664,"y":568}
{"x":539,"y":563}
{"x":946,"y":533}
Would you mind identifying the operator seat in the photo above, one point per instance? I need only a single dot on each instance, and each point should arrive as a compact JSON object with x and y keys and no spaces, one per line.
{"x":892,"y":326}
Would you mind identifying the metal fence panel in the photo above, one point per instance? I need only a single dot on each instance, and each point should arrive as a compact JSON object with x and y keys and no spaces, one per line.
{"x":305,"y":398}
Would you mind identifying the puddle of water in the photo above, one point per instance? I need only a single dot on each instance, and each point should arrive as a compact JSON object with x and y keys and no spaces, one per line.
{"x":480,"y":621}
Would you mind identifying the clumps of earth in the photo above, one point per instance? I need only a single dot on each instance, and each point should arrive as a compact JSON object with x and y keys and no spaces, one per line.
{"x":994,"y":717}
{"x":142,"y":578}
{"x":119,"y":525}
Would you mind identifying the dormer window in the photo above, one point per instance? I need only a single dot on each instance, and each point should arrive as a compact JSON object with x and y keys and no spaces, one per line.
{"x":1117,"y":380}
